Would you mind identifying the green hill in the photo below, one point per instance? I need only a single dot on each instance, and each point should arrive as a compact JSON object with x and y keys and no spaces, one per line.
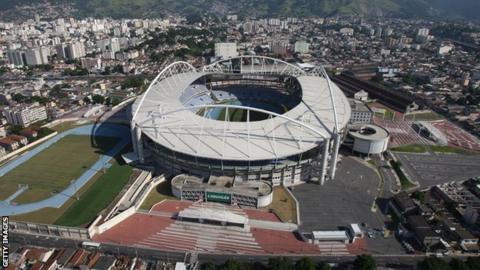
{"x":155,"y":8}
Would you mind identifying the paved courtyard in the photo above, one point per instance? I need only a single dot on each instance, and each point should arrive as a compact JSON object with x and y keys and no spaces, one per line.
{"x":345,"y":200}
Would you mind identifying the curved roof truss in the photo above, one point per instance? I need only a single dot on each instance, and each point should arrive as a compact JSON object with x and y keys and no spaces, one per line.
{"x":160,"y":117}
{"x":254,"y":64}
{"x":246,"y":64}
{"x":168,"y":71}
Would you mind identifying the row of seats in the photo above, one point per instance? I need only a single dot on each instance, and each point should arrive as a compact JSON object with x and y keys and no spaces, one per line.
{"x":196,"y":95}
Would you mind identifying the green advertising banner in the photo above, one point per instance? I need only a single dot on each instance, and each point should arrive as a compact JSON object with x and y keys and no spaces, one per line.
{"x":219,"y":197}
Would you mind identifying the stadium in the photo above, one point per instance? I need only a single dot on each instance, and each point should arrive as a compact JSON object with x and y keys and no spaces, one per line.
{"x":249,"y":118}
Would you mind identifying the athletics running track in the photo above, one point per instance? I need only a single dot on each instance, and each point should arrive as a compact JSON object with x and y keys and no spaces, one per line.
{"x":56,"y":201}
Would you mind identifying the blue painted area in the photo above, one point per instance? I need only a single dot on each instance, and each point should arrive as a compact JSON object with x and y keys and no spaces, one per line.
{"x":16,"y":194}
{"x":214,"y":113}
{"x":57,"y":200}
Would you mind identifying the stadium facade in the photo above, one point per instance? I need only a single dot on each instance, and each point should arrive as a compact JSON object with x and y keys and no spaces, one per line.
{"x":248,"y":117}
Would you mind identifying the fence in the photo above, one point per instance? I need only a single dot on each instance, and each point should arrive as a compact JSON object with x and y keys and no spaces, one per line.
{"x":49,"y":230}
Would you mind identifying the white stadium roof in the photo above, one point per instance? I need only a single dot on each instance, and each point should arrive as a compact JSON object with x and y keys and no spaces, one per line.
{"x":219,"y":215}
{"x":163,"y":118}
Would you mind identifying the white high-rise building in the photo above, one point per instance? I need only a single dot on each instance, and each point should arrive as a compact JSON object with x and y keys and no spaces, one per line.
{"x":226,"y":50}
{"x":248,"y":28}
{"x":70,"y":51}
{"x":444,"y":49}
{"x":77,"y":50}
{"x":115,"y":45}
{"x":274,"y":21}
{"x":347,"y":31}
{"x":16,"y":58}
{"x":37,"y":56}
{"x":25,"y":116}
{"x":301,"y":46}
{"x":279,"y":46}
{"x":33,"y":57}
{"x":61,"y":51}
{"x":423,"y":32}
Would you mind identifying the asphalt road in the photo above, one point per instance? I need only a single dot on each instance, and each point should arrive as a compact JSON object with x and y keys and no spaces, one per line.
{"x":17,"y":240}
{"x":391,"y":185}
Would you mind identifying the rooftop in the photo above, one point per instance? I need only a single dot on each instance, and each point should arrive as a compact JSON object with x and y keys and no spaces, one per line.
{"x":223,"y":184}
{"x":294,"y":132}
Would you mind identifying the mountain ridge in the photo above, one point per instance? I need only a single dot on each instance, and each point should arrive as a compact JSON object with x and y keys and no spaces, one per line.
{"x":463,"y":9}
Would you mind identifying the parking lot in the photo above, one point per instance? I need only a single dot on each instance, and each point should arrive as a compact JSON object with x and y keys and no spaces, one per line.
{"x":345,"y":200}
{"x":436,"y":168}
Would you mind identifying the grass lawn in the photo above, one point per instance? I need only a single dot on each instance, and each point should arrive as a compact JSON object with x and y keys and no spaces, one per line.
{"x":97,"y":197}
{"x":404,"y":181}
{"x":283,"y":205}
{"x":412,"y":148}
{"x":161,"y":192}
{"x":49,"y":215}
{"x":448,"y":149}
{"x":67,"y":125}
{"x":419,"y":148}
{"x":388,"y":115}
{"x":54,"y":168}
{"x":426,"y":116}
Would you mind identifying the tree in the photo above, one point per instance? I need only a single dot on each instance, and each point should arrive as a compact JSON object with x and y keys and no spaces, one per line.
{"x":377,"y":79}
{"x":305,"y":263}
{"x":232,"y":265}
{"x":41,"y":100}
{"x":15,"y":129}
{"x":419,"y":196}
{"x":473,"y":262}
{"x":78,"y":71}
{"x":19,"y":98}
{"x":98,"y":99}
{"x":208,"y":266}
{"x":45,"y":67}
{"x":458,"y":264}
{"x":87,"y":100}
{"x":106,"y":71}
{"x":279,"y":263}
{"x":115,"y":101}
{"x":433,"y":263}
{"x":3,"y":70}
{"x":133,"y":81}
{"x":117,"y":69}
{"x":364,"y":262}
{"x":44,"y":131}
{"x":323,"y":266}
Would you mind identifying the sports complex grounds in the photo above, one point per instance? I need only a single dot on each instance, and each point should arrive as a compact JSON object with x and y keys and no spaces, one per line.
{"x":68,"y":179}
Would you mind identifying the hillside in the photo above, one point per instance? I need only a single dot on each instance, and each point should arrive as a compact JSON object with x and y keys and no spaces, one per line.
{"x":153,"y":8}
